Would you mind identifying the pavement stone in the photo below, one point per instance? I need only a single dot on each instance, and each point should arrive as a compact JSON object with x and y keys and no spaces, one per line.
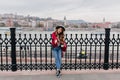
{"x":66,"y":75}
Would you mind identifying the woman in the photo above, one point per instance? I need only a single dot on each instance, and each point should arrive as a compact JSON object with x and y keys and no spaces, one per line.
{"x":57,"y":46}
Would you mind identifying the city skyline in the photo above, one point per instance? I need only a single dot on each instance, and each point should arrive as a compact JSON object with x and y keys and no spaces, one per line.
{"x":88,"y":10}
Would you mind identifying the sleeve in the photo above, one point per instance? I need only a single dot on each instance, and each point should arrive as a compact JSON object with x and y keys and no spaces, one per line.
{"x":64,"y":48}
{"x":54,"y":40}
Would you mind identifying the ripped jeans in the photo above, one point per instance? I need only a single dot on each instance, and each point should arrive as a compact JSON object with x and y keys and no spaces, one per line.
{"x":57,"y":54}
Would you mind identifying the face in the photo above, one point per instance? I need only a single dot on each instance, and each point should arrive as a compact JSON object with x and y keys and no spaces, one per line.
{"x":60,"y":30}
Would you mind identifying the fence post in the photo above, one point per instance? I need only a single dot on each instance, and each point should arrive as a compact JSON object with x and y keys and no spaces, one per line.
{"x":13,"y":49}
{"x":106,"y":54}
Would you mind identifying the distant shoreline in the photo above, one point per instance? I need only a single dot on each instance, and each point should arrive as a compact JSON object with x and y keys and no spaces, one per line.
{"x":52,"y":29}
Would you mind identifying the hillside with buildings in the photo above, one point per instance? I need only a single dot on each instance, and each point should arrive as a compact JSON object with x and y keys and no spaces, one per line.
{"x":14,"y":20}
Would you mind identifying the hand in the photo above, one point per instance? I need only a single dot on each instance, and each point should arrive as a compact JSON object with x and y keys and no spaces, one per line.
{"x":56,"y":41}
{"x":61,"y":42}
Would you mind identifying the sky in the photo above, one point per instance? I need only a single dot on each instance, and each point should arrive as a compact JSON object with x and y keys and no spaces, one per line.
{"x":88,"y":10}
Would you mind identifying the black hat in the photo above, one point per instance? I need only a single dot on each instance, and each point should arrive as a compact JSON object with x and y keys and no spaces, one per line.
{"x":60,"y":27}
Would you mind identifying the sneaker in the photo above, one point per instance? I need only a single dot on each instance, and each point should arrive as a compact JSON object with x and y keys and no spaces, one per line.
{"x":58,"y":73}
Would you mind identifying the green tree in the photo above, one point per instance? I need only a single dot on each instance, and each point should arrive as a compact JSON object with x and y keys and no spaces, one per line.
{"x":40,"y":25}
{"x":2,"y":24}
{"x":75,"y":26}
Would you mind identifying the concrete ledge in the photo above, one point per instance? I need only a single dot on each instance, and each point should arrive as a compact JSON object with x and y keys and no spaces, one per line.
{"x":49,"y":72}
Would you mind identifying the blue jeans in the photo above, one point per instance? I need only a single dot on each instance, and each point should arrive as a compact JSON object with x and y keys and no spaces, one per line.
{"x":57,"y":54}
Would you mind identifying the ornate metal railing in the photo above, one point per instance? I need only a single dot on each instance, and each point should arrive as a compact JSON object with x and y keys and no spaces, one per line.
{"x":34,"y":52}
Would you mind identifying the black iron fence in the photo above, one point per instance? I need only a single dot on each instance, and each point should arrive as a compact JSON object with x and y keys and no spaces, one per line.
{"x":33,"y":52}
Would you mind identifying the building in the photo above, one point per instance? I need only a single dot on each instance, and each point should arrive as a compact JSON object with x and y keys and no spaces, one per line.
{"x":102,"y":25}
{"x":9,"y":22}
{"x":65,"y":21}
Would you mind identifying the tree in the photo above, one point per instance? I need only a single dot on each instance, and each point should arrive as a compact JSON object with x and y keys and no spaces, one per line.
{"x":66,"y":26}
{"x":16,"y":24}
{"x":40,"y":25}
{"x":84,"y":26}
{"x":75,"y":26}
{"x":2,"y":24}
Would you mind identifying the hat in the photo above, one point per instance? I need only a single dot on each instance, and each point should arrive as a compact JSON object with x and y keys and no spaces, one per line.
{"x":60,"y":27}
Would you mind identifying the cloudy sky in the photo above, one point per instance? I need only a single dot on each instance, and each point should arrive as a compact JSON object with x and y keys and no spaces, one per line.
{"x":88,"y":10}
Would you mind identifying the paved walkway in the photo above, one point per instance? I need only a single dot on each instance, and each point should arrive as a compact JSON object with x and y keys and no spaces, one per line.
{"x":66,"y":75}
